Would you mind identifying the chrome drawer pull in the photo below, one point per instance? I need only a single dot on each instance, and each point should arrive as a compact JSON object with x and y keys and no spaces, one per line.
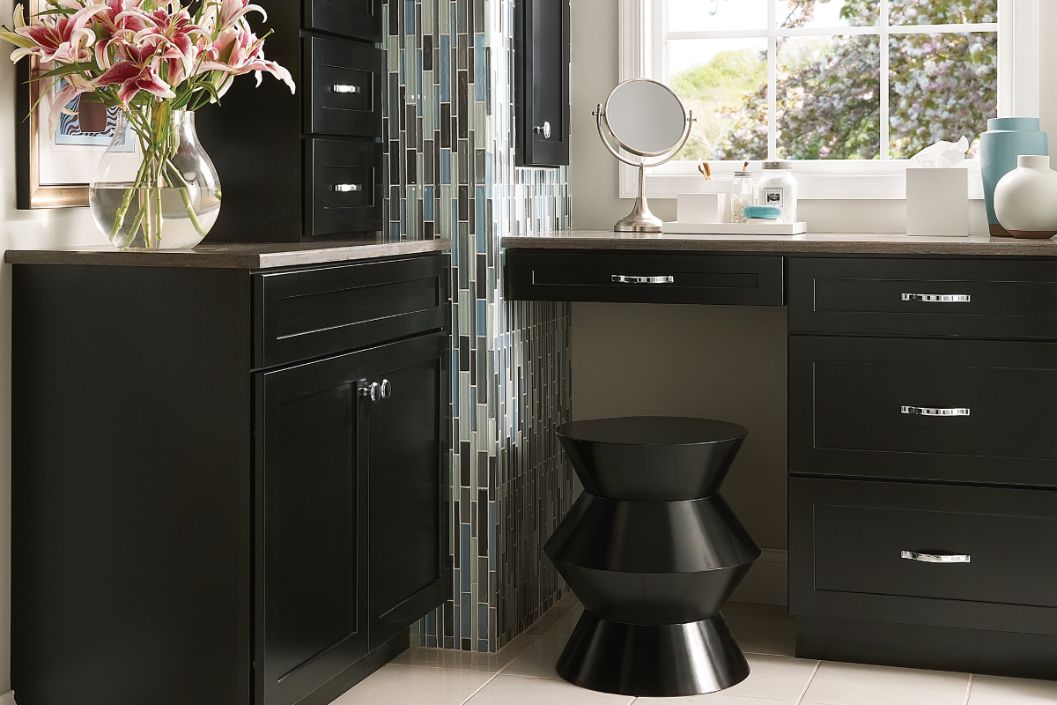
{"x":935,"y":557}
{"x":939,"y":298}
{"x":348,"y":188}
{"x":931,"y":411}
{"x":345,"y":88}
{"x":631,"y":279}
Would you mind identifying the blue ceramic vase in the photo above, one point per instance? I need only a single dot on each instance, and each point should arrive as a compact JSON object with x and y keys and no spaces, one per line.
{"x":1005,"y":140}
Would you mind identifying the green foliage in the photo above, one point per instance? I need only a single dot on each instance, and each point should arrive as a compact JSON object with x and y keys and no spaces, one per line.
{"x":941,"y":87}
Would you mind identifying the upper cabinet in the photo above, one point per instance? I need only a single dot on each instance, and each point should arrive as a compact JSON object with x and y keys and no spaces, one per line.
{"x":542,"y":63}
{"x":360,"y":19}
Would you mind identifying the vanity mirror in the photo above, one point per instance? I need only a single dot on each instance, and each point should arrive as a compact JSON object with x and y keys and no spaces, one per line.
{"x":644,"y":124}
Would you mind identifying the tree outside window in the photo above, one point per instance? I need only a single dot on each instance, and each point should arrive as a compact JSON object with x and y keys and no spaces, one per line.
{"x":832,"y":79}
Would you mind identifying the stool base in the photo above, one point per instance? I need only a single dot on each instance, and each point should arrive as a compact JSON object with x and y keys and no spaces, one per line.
{"x":652,"y":660}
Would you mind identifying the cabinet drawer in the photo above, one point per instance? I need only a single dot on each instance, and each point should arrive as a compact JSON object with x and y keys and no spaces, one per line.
{"x":921,"y":297}
{"x":342,"y":88}
{"x":921,"y":553}
{"x":633,"y":277}
{"x":313,"y":312}
{"x":961,"y":411}
{"x":343,"y":187}
{"x":359,"y":19}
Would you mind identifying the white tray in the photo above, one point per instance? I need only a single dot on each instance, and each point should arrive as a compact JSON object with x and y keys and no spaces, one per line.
{"x":735,"y":228}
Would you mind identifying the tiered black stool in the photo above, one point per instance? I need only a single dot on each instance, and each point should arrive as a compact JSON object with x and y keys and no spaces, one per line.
{"x":653,"y":551}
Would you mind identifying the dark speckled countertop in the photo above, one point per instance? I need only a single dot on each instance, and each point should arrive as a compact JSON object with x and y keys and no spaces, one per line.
{"x":232,"y":256}
{"x":790,"y":244}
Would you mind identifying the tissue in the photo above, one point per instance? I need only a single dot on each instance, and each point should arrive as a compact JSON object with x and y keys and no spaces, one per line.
{"x":942,"y":155}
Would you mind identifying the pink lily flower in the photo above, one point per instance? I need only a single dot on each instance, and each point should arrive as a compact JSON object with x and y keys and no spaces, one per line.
{"x":133,"y":79}
{"x":238,"y":52}
{"x":67,"y":40}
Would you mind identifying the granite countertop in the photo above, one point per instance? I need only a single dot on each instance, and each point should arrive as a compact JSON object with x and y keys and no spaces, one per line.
{"x":232,"y":256}
{"x":786,"y":244}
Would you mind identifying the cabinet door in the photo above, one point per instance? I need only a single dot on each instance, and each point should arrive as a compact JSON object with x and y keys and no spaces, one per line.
{"x":311,"y":526}
{"x":542,"y":71}
{"x":408,"y":451}
{"x":359,"y":19}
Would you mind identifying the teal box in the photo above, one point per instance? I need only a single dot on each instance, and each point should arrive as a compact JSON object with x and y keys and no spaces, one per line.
{"x":1005,"y":140}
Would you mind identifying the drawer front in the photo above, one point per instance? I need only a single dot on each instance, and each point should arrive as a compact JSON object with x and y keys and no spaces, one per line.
{"x":359,"y":19}
{"x":921,"y":552}
{"x":304,"y":314}
{"x":343,"y":187}
{"x":633,"y":277}
{"x":920,"y":297}
{"x":343,"y":88}
{"x":959,"y":411}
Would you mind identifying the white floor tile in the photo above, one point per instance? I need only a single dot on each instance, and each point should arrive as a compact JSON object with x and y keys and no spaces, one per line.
{"x":989,"y":690}
{"x":773,"y":678}
{"x":723,"y":698}
{"x":855,"y":684}
{"x":774,"y":635}
{"x":397,"y":684}
{"x":518,"y":690}
{"x":456,"y":660}
{"x":538,"y":658}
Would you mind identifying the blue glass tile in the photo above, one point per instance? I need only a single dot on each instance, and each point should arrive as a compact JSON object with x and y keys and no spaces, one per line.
{"x":445,"y":166}
{"x":480,"y":67}
{"x":427,"y":203}
{"x":445,"y":68}
{"x":464,"y":551}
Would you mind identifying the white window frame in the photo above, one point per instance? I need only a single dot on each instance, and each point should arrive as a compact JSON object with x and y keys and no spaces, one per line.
{"x":640,"y":50}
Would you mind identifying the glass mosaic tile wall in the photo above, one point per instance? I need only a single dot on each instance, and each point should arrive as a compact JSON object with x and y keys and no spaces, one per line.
{"x":449,"y":136}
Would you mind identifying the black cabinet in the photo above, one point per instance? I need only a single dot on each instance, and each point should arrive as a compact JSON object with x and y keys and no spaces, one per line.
{"x":304,"y":167}
{"x":542,"y":51}
{"x":407,"y":428}
{"x":311,"y":479}
{"x":235,"y":476}
{"x":923,"y":463}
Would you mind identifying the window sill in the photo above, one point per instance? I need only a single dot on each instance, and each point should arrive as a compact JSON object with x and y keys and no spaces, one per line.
{"x":888,"y":186}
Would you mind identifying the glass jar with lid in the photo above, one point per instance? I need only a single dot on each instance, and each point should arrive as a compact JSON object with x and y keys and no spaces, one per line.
{"x":778,"y":188}
{"x":742,"y":195}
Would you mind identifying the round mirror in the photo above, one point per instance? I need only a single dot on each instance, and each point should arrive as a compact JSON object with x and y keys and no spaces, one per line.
{"x":645,"y":117}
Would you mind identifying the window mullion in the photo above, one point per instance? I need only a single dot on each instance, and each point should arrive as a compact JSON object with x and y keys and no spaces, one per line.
{"x":772,"y":79}
{"x":886,"y":152}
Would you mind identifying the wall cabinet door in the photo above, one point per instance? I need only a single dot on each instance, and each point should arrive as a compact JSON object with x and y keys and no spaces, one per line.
{"x":542,"y":71}
{"x":408,"y":456}
{"x":311,"y":526}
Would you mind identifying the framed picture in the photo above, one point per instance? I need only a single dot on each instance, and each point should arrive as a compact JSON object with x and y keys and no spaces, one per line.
{"x":57,"y":156}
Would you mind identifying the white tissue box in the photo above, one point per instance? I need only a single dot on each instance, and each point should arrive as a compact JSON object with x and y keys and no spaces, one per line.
{"x":703,"y":208}
{"x":938,"y":202}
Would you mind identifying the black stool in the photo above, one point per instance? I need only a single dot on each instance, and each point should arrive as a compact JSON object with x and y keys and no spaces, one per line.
{"x":653,"y":551}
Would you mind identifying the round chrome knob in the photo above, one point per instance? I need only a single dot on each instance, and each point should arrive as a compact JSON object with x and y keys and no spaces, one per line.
{"x":544,"y":129}
{"x":386,"y":390}
{"x":372,"y":391}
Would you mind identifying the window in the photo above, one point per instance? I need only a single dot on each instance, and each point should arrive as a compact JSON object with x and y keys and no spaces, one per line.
{"x":846,"y":88}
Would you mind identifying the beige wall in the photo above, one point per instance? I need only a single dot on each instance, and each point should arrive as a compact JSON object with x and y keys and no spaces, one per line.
{"x":701,"y":361}
{"x":18,"y":229}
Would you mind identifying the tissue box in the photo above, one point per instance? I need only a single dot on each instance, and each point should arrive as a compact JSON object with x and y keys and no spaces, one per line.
{"x":938,"y":202}
{"x":703,"y":208}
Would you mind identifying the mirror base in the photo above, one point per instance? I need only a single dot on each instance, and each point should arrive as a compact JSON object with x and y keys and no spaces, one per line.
{"x":640,"y":220}
{"x":638,"y":224}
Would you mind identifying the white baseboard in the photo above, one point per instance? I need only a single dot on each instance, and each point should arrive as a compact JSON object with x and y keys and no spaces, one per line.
{"x":765,"y":583}
{"x":8,"y":698}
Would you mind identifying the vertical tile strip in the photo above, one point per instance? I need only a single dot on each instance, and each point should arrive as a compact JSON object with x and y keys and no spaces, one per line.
{"x":449,"y":136}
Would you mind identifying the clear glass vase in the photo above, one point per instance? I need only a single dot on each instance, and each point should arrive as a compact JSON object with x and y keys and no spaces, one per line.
{"x":156,"y":188}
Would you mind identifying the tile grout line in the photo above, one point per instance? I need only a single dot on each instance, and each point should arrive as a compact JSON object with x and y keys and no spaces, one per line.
{"x":482,"y":687}
{"x":803,"y":692}
{"x":968,"y":690}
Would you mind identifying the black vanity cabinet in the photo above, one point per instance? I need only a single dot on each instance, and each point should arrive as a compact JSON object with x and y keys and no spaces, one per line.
{"x":922,"y":460}
{"x":229,"y":484}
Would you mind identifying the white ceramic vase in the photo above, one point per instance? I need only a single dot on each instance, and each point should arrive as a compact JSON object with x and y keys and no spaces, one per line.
{"x":1026,"y":199}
